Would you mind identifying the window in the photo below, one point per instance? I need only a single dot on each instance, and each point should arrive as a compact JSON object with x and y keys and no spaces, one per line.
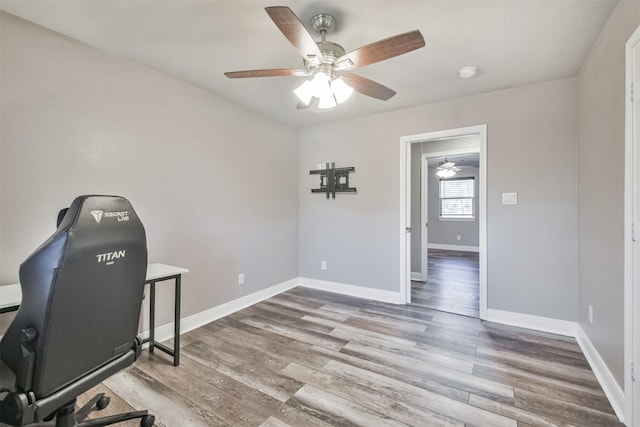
{"x":457,"y":198}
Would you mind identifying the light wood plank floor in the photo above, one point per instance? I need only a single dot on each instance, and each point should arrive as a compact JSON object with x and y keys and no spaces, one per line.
{"x":311,"y":358}
{"x":453,"y":283}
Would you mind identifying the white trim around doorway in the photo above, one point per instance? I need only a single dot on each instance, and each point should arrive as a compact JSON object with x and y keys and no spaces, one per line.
{"x":631,"y":224}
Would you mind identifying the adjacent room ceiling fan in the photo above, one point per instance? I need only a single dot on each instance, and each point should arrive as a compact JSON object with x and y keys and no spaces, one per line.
{"x":327,"y":63}
{"x":447,"y":169}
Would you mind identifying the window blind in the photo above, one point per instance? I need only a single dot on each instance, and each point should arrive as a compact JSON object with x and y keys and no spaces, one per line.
{"x":457,"y":198}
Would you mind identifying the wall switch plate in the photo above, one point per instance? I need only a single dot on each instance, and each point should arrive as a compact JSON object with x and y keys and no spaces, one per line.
{"x":241,"y":279}
{"x":510,"y":198}
{"x":590,"y":314}
{"x":323,"y":265}
{"x":458,"y":237}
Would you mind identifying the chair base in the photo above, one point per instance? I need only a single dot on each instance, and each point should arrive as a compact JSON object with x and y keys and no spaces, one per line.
{"x":66,"y":416}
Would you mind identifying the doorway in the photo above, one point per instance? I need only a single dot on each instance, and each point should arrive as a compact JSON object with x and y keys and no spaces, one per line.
{"x":443,"y":142}
{"x":448,"y":227}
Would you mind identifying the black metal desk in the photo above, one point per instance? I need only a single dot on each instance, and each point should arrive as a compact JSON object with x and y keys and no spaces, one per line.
{"x":159,"y":273}
{"x":11,"y":296}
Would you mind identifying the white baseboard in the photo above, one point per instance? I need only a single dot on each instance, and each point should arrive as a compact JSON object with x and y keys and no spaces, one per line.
{"x":543,"y":324}
{"x":607,"y":381}
{"x":354,"y":291}
{"x":194,"y":321}
{"x":416,"y":276}
{"x":454,"y":247}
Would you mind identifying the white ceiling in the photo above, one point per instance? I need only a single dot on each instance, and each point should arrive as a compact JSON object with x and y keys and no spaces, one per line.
{"x":461,"y":160}
{"x":512,"y":42}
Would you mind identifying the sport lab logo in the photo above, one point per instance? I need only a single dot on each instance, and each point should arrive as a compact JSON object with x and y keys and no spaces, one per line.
{"x":97,"y":215}
{"x":120,"y":216}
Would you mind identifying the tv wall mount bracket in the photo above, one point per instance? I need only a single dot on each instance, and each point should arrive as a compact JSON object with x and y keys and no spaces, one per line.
{"x":333,"y":180}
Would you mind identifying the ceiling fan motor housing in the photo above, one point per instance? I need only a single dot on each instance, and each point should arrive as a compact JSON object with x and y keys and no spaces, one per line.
{"x":324,"y":23}
{"x":330,"y":53}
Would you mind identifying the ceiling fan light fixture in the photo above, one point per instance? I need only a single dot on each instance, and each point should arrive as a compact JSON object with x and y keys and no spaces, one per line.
{"x":320,"y":84}
{"x":329,"y":92}
{"x":304,"y":92}
{"x":446,"y":169}
{"x":322,"y":91}
{"x":445,"y":173}
{"x":327,"y":101}
{"x":341,"y":90}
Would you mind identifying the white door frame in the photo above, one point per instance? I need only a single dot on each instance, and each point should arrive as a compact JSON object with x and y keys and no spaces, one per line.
{"x":405,"y":208}
{"x":631,"y":224}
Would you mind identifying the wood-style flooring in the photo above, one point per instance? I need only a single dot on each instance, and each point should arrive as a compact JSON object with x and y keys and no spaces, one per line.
{"x":312,"y":358}
{"x":453,"y":283}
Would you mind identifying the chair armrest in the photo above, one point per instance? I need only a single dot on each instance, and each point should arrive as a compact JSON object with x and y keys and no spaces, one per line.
{"x":24,"y":374}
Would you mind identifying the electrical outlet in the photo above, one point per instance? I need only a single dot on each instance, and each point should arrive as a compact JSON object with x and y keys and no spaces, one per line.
{"x":510,"y":198}
{"x":590,"y":314}
{"x":323,"y":265}
{"x":458,"y":237}
{"x":241,"y":279}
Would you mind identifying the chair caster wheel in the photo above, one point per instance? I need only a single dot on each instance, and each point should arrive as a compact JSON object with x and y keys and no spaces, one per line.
{"x":103,"y":402}
{"x":147,"y":421}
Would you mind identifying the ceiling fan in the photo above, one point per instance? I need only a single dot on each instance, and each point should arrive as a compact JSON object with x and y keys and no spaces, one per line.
{"x":447,"y":168}
{"x":327,"y":63}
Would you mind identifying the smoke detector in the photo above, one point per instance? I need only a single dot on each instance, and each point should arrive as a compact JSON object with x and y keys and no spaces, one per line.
{"x":468,"y":72}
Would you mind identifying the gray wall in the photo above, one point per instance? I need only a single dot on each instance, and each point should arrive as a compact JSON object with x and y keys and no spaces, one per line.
{"x":601,"y":186}
{"x":416,"y":220}
{"x":417,"y":150}
{"x":215,"y":184}
{"x":444,"y":232}
{"x":532,"y":247}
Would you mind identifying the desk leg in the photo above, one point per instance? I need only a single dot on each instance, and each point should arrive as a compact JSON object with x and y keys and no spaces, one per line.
{"x":152,"y":321}
{"x":176,"y":321}
{"x":152,"y":315}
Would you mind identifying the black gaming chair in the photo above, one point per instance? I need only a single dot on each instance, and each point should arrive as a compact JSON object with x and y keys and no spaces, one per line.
{"x":77,"y":324}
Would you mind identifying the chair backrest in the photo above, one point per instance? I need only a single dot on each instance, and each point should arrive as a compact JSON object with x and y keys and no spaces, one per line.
{"x":81,"y":291}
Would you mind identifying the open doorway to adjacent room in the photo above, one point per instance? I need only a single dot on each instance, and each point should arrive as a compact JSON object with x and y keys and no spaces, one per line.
{"x":449,"y":278}
{"x":445,"y":244}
